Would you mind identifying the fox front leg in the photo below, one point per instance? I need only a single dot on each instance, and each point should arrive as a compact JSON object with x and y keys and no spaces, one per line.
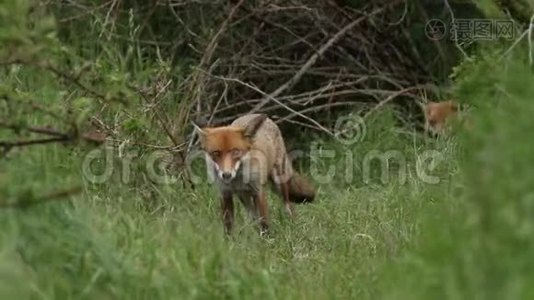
{"x":227,"y":211}
{"x":261,"y":205}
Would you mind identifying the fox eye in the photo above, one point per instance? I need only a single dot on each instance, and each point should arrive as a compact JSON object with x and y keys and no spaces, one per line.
{"x":236,"y":152}
{"x":215,"y":153}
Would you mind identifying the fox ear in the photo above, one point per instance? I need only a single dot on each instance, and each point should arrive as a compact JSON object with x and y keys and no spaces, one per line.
{"x":254,"y":125}
{"x":200,"y":131}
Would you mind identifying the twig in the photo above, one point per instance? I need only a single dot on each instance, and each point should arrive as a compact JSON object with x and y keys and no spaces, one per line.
{"x":322,"y":107}
{"x":88,"y":136}
{"x":47,"y":131}
{"x":74,"y":80}
{"x":157,"y":113}
{"x":178,"y":147}
{"x":525,"y":33}
{"x":278,"y":102}
{"x":313,"y":59}
{"x":65,"y":76}
{"x":12,"y":144}
{"x":404,"y":13}
{"x":530,"y":37}
{"x":393,"y":96}
{"x":58,"y":136}
{"x":456,"y":32}
{"x":54,"y":196}
{"x":198,"y":82}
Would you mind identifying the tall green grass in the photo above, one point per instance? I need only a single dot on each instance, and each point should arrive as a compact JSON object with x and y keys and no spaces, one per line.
{"x":478,"y":240}
{"x":159,"y":241}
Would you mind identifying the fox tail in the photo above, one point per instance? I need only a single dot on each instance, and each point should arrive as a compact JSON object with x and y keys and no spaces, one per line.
{"x":300,"y":189}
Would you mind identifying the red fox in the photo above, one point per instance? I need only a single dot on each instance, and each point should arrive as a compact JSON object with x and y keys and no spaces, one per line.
{"x":437,"y":115}
{"x":242,"y":158}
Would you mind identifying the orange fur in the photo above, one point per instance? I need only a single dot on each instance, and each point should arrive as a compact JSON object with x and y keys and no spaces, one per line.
{"x":225,"y":145}
{"x":437,"y":115}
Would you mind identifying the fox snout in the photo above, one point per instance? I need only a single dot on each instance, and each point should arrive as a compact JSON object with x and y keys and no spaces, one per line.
{"x":226,"y":167}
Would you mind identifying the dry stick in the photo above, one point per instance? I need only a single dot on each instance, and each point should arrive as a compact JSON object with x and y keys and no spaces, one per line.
{"x":302,"y":124}
{"x":530,"y":37}
{"x":12,"y":144}
{"x":86,"y":11}
{"x":31,"y":104}
{"x":323,"y":106}
{"x":158,"y":147}
{"x":43,"y":199}
{"x":375,"y":94}
{"x":278,"y":26}
{"x":404,"y":14}
{"x":163,"y":122}
{"x":393,"y":96}
{"x":192,"y":140}
{"x":58,"y":136}
{"x":210,"y":49}
{"x":321,"y":91}
{"x":7,"y":145}
{"x":514,"y":44}
{"x":48,"y":112}
{"x":436,"y":43}
{"x":198,"y":81}
{"x":278,"y":102}
{"x":298,"y":98}
{"x":456,"y":32}
{"x":159,"y":117}
{"x":223,"y":96}
{"x":47,"y":131}
{"x":106,"y":19}
{"x":53,"y":132}
{"x":65,"y":76}
{"x":313,"y":59}
{"x":301,"y":99}
{"x":163,"y":89}
{"x":74,"y":80}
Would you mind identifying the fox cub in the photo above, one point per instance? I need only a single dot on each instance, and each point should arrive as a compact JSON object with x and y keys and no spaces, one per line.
{"x":439,"y":114}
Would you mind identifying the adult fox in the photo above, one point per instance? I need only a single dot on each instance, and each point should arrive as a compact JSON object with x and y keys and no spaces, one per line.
{"x":242,"y":158}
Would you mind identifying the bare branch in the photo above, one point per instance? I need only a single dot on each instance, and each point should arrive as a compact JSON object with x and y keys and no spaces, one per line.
{"x":313,"y":59}
{"x":53,"y":196}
